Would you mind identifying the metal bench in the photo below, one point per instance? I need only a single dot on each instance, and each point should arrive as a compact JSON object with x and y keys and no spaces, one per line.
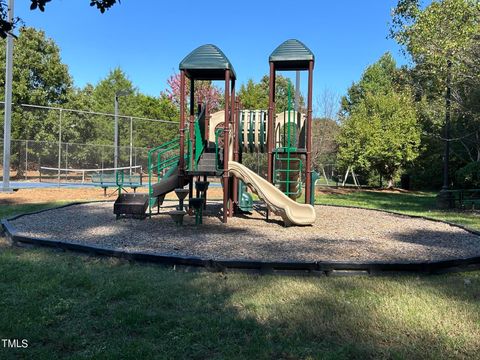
{"x":105,"y":181}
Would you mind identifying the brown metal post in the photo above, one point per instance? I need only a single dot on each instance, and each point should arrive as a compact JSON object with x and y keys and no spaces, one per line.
{"x":192,"y":122}
{"x":207,"y":123}
{"x":182,"y":128}
{"x":271,"y":123}
{"x":234,"y":129}
{"x":236,"y":153}
{"x":308,"y":157}
{"x":226,"y":135}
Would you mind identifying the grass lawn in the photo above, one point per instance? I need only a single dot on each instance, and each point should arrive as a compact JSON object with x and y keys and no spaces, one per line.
{"x":418,"y":203}
{"x":80,"y":307}
{"x":11,"y":210}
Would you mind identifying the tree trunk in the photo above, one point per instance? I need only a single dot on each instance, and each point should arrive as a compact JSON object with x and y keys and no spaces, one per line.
{"x":390,"y":184}
{"x":477,"y":146}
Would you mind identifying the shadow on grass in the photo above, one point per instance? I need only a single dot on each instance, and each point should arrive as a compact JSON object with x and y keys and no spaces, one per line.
{"x":77,"y":306}
{"x":81,"y":307}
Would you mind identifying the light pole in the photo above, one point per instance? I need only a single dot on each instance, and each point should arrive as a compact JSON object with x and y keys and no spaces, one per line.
{"x":8,"y":104}
{"x":448,"y":97}
{"x":445,"y":198}
{"x":115,"y":135}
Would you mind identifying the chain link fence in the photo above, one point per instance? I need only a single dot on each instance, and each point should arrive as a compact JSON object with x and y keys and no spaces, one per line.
{"x":63,"y":139}
{"x":49,"y":142}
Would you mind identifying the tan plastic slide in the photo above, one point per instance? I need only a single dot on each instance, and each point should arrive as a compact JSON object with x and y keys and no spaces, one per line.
{"x":291,"y":212}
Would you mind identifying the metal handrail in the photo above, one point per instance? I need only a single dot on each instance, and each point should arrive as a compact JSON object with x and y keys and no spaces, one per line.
{"x":217,"y":135}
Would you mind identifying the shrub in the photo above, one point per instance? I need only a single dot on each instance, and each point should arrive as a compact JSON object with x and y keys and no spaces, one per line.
{"x":468,"y":177}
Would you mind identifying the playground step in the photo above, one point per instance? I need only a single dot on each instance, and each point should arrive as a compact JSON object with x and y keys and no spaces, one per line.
{"x":204,"y":168}
{"x":207,"y":162}
{"x":208,"y":156}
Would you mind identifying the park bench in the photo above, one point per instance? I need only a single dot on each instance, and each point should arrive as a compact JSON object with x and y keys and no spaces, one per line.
{"x":119,"y":180}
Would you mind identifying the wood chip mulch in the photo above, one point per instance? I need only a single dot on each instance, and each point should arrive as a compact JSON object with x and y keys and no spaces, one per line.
{"x":340,"y":234}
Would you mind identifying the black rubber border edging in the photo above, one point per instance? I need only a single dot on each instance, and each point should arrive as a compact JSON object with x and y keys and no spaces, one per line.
{"x":285,"y":267}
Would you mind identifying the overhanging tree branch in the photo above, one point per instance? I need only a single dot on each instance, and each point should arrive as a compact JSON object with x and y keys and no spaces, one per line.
{"x":7,"y":27}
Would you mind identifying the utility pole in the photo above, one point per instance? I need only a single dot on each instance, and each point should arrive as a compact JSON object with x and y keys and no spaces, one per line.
{"x":8,"y":104}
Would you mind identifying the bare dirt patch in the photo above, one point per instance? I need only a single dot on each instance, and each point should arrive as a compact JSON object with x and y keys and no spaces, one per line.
{"x":31,"y":196}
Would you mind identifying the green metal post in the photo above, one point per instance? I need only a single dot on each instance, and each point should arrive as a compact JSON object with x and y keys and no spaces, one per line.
{"x":288,"y":140}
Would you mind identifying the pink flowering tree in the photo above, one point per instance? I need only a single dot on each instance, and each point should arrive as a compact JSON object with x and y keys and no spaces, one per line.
{"x":205,"y":92}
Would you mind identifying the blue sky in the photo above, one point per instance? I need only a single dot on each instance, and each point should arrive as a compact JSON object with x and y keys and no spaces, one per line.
{"x":148,"y":38}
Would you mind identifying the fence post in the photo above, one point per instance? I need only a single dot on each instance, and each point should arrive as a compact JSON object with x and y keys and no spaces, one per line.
{"x":66,"y":161}
{"x":26,"y":159}
{"x":131,"y":143}
{"x":59,"y":144}
{"x":7,"y":133}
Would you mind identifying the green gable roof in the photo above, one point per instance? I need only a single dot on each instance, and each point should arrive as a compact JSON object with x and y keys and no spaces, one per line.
{"x":291,"y":55}
{"x":207,"y":62}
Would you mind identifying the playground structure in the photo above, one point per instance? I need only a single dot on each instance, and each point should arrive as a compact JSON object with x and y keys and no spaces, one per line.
{"x":211,"y":145}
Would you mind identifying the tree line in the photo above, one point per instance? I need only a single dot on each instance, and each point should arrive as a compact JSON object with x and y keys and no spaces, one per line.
{"x":394,"y":120}
{"x":40,"y":78}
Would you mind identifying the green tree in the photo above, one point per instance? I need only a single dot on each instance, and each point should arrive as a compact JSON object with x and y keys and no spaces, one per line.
{"x":377,"y":78}
{"x":145,"y":133}
{"x":104,"y":97}
{"x":148,"y":133}
{"x":40,"y":78}
{"x":379,"y":130}
{"x":442,"y":41}
{"x":77,"y":126}
{"x":381,"y":133}
{"x":324,"y":147}
{"x":255,"y":95}
{"x":105,"y":90}
{"x":438,"y":36}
